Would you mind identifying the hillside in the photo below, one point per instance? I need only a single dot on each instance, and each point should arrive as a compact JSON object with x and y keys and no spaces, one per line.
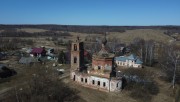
{"x":146,"y":34}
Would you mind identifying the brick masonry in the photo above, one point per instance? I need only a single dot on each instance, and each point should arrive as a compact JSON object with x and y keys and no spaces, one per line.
{"x":98,"y":76}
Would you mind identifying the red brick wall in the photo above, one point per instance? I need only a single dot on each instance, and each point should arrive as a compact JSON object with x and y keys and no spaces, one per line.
{"x":102,"y":62}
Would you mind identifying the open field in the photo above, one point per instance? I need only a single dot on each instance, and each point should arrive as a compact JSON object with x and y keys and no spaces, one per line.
{"x":146,"y":34}
{"x":124,"y":37}
{"x":129,"y":35}
{"x":32,"y":30}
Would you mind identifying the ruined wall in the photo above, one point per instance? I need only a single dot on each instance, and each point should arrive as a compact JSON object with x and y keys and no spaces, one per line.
{"x":115,"y":85}
{"x":95,"y":82}
{"x":104,"y":64}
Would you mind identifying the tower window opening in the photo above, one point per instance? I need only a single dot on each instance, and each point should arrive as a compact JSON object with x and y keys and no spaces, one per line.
{"x":75,"y":59}
{"x":86,"y":80}
{"x":75,"y":47}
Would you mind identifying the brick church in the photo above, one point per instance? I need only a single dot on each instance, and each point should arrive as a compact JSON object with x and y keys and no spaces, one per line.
{"x":101,"y":75}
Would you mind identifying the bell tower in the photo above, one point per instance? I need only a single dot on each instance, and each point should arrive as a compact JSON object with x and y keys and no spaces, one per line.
{"x":77,"y":55}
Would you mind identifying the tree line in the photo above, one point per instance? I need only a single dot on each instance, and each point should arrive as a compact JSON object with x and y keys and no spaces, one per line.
{"x":88,"y":28}
{"x":15,"y":33}
{"x":7,"y":44}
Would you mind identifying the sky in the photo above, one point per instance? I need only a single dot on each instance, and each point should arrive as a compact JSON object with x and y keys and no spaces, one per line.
{"x":90,"y":12}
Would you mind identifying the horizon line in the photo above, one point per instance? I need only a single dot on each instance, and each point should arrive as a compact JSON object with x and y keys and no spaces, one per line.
{"x":89,"y":25}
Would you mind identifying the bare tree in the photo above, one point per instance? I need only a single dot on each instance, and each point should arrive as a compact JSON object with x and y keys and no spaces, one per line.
{"x":174,"y":56}
{"x":170,"y":62}
{"x":113,"y":43}
{"x":43,"y":86}
{"x":151,"y":52}
{"x":145,"y":49}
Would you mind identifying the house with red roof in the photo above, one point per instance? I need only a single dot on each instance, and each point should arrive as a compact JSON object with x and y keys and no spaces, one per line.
{"x":38,"y":52}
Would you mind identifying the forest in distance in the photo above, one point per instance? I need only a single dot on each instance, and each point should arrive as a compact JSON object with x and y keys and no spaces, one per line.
{"x":90,"y":29}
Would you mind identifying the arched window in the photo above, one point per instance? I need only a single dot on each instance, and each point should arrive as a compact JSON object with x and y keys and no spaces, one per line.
{"x":93,"y":82}
{"x":75,"y":47}
{"x":85,"y":80}
{"x":81,"y":79}
{"x":75,"y":59}
{"x":98,"y":83}
{"x":104,"y":84}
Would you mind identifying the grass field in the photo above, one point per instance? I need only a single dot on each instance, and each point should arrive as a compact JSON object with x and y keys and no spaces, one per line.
{"x":129,"y":35}
{"x":125,"y":37}
{"x":32,"y":30}
{"x":146,"y":34}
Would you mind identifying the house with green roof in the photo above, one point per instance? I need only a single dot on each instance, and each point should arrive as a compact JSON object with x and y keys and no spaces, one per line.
{"x":129,"y":61}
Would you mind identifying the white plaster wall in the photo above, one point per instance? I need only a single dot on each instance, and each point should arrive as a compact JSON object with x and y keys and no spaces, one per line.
{"x":128,"y":63}
{"x":113,"y":85}
{"x":96,"y":79}
{"x":137,"y":65}
{"x":110,"y":85}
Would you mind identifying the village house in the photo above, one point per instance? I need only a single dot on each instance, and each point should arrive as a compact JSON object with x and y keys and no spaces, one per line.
{"x":38,"y":52}
{"x":129,"y":61}
{"x":101,"y":75}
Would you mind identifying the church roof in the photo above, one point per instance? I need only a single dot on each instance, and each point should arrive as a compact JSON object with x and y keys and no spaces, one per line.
{"x":131,"y":57}
{"x":121,"y":58}
{"x":138,"y":61}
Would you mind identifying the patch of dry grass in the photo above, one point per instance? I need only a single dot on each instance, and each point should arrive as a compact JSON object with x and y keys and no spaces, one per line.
{"x":92,"y":95}
{"x":32,"y":30}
